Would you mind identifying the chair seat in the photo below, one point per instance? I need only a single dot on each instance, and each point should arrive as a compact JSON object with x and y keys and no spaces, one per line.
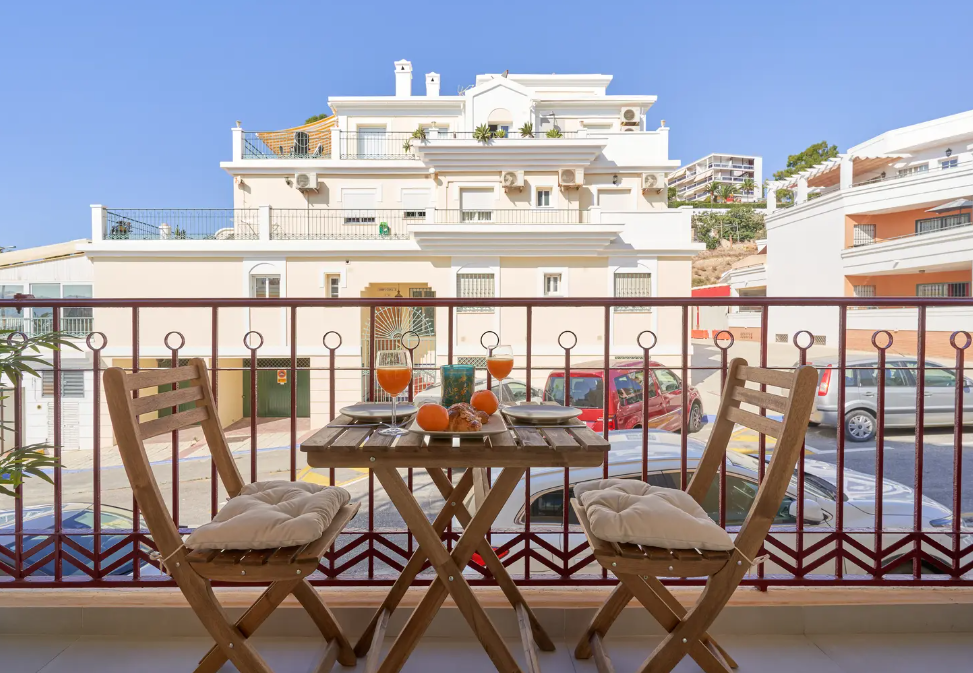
{"x":271,"y":515}
{"x":630,"y":511}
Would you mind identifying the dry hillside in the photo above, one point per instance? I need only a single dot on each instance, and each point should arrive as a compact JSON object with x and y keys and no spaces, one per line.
{"x":709,"y":265}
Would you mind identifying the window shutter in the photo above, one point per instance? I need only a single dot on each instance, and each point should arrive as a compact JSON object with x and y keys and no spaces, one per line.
{"x":72,"y":383}
{"x":363,"y":199}
{"x":476,"y":199}
{"x":633,"y":285}
{"x":475,"y":286}
{"x":615,"y":199}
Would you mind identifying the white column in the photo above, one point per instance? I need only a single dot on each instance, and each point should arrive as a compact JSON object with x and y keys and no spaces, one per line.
{"x":263,"y":223}
{"x":771,"y":197}
{"x":846,"y":173}
{"x":335,"y":143}
{"x":99,"y":220}
{"x":237,"y":143}
{"x":801,"y":193}
{"x":594,"y":215}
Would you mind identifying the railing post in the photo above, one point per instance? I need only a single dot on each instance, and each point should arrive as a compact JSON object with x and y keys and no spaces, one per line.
{"x":594,"y":215}
{"x":237,"y":143}
{"x":771,"y":197}
{"x":99,"y":220}
{"x":263,"y":223}
{"x":336,"y":143}
{"x":846,"y":173}
{"x":800,"y":195}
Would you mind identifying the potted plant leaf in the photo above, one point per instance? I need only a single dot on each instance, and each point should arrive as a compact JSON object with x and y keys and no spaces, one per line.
{"x":407,"y":146}
{"x":499,"y":133}
{"x":18,"y":358}
{"x":527,"y":130}
{"x":554,"y":133}
{"x":482,"y":134}
{"x":419,"y":134}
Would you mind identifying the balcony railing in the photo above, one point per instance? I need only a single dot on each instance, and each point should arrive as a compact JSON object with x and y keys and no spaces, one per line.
{"x":855,"y":546}
{"x":514,"y":216}
{"x":181,"y":224}
{"x":287,"y":145}
{"x":931,"y":225}
{"x":364,"y":145}
{"x":74,"y":326}
{"x":360,"y":224}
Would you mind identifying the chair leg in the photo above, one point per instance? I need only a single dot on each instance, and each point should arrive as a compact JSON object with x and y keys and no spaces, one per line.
{"x":685,"y":637}
{"x":234,"y":645}
{"x":603,"y":619}
{"x":323,"y":618}
{"x":251,"y":620}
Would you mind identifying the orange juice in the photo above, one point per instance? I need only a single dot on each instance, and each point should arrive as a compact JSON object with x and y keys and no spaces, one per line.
{"x":394,"y":379}
{"x":500,"y":367}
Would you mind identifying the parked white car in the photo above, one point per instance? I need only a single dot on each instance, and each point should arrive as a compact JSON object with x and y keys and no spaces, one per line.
{"x":625,"y":460}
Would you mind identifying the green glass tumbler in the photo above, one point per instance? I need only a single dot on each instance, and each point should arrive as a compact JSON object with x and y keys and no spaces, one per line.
{"x":458,"y":384}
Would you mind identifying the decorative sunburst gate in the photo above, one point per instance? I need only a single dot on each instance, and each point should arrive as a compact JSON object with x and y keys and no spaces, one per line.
{"x":390,"y":324}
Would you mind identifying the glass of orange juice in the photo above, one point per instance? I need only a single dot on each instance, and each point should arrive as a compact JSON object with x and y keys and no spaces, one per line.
{"x":394,"y":373}
{"x":500,"y":362}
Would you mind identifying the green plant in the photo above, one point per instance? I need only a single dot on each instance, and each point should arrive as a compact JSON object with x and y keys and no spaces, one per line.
{"x":812,"y":156}
{"x":726,"y":192}
{"x":499,"y":133}
{"x":671,"y":194}
{"x":713,"y":190}
{"x":17,"y":359}
{"x":721,"y":206}
{"x":554,"y":133}
{"x":419,"y":134}
{"x":527,"y":130}
{"x":407,"y":146}
{"x":316,"y":118}
{"x":735,"y":224}
{"x":179,"y":232}
{"x":482,"y":133}
{"x":747,"y":186}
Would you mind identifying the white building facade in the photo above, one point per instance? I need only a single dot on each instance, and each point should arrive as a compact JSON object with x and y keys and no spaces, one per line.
{"x":888,"y":218}
{"x":520,"y":186}
{"x":743,"y":172}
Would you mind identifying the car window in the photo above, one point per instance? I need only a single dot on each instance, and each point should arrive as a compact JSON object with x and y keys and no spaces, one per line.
{"x":740,"y":496}
{"x":668,"y":382}
{"x":940,"y":378}
{"x":587,"y":392}
{"x":894,"y":377}
{"x":549,"y":507}
{"x":515,"y":391}
{"x":629,"y":390}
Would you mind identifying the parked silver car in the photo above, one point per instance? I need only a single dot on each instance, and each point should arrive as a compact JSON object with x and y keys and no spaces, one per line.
{"x":861,"y":396}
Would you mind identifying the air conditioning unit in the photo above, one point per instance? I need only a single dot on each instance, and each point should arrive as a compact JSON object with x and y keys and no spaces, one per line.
{"x":512,"y":180}
{"x":629,"y":129}
{"x":306,"y":182}
{"x":630,"y":116}
{"x":570,"y":178}
{"x":653,"y":182}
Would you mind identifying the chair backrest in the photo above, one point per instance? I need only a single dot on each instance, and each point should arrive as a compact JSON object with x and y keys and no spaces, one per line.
{"x":130,"y":434}
{"x":789,"y":432}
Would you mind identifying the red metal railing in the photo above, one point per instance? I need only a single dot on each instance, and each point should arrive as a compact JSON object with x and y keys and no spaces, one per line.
{"x":32,"y":554}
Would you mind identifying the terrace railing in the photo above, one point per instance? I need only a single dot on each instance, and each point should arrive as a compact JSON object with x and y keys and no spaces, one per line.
{"x":181,"y":224}
{"x":46,"y":541}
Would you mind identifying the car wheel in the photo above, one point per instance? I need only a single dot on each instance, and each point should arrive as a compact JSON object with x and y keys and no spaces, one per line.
{"x":695,"y":417}
{"x":860,"y":425}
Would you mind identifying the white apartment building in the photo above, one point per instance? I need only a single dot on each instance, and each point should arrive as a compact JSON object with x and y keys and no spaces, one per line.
{"x":692,"y":181}
{"x":400,"y":196}
{"x":58,"y":271}
{"x":888,"y":218}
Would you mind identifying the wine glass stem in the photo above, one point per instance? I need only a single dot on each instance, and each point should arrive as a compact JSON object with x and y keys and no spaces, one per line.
{"x":393,"y":411}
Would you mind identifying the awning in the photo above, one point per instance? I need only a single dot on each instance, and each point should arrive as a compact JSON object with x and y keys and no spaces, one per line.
{"x":952,"y":205}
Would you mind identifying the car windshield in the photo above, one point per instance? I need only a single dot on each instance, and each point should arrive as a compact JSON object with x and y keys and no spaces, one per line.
{"x":587,"y":392}
{"x":814,"y":485}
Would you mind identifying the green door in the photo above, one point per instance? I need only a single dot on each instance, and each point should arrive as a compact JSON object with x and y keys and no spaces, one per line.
{"x":273,"y":394}
{"x":186,"y":406}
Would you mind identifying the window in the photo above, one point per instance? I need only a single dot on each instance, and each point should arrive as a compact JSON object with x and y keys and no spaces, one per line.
{"x":475,"y":286}
{"x":933,"y":224}
{"x":359,"y":205}
{"x":543,"y":198}
{"x":895,"y":376}
{"x":864,"y":290}
{"x":72,"y":383}
{"x":477,"y":204}
{"x":633,"y":285}
{"x":515,"y":390}
{"x":9,"y":318}
{"x":500,"y":127}
{"x":940,"y":378}
{"x":552,"y":285}
{"x":372,"y":143}
{"x":42,"y":319}
{"x":740,"y":496}
{"x":587,"y":392}
{"x":414,"y":204}
{"x":948,"y":163}
{"x":333,"y":285}
{"x":414,"y":215}
{"x":864,"y":234}
{"x":912,"y":170}
{"x":548,"y":507}
{"x":942,"y":289}
{"x":629,"y":388}
{"x":668,"y":382}
{"x":265,"y":287}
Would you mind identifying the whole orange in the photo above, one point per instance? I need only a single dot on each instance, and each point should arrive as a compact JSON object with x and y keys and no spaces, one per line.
{"x":486,"y":401}
{"x":432,"y":417}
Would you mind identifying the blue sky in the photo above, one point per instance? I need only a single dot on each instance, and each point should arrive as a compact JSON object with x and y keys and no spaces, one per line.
{"x":131,"y":104}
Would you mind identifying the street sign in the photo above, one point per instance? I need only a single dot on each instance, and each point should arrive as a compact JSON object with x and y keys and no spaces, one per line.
{"x":281,"y":376}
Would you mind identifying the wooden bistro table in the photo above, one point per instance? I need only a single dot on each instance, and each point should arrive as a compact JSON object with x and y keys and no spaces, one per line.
{"x":345,"y":443}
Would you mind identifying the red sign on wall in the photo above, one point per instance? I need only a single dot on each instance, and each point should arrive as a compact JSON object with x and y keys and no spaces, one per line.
{"x":281,"y":376}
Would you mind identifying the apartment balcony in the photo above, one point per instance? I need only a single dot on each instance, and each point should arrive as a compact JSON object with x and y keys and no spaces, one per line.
{"x":938,"y":246}
{"x":78,"y":327}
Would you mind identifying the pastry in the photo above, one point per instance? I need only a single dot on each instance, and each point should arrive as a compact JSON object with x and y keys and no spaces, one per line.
{"x":464,"y":418}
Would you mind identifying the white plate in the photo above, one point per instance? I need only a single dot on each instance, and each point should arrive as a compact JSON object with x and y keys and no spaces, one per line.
{"x":493,"y":426}
{"x":378,"y":412}
{"x":541,"y":414}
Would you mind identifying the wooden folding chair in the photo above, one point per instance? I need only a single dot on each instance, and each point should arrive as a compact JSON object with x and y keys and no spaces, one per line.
{"x":286,"y":568}
{"x":639,"y":567}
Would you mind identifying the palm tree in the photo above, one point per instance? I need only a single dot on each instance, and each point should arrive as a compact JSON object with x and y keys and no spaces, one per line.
{"x":747,"y":186}
{"x":726,"y":192}
{"x":713,"y":190}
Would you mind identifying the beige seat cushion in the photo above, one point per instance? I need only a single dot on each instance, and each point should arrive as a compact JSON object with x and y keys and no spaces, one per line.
{"x":625,"y":510}
{"x":271,"y":514}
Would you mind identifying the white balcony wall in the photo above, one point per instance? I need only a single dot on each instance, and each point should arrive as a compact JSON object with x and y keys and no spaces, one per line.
{"x":646,"y":148}
{"x":926,"y":251}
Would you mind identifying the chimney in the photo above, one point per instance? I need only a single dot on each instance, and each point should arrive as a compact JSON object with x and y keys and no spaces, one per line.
{"x":403,"y":78}
{"x":432,"y":83}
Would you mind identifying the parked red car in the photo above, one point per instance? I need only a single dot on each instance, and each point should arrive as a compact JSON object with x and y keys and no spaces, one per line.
{"x":625,"y":393}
